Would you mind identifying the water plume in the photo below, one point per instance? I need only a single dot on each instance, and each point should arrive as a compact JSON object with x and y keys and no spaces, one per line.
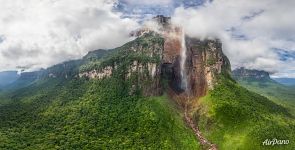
{"x":183,"y":57}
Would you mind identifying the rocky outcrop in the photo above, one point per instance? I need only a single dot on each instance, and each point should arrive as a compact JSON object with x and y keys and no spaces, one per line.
{"x":99,"y":74}
{"x":162,"y":20}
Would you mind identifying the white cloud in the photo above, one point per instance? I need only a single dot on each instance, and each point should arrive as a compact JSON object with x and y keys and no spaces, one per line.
{"x":37,"y":33}
{"x":264,"y":24}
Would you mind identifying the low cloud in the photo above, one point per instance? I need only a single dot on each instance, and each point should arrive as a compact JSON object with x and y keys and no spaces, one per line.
{"x":39,"y":34}
{"x":252,"y":31}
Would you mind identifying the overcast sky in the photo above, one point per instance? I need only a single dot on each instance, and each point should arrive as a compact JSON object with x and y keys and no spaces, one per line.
{"x":40,"y":33}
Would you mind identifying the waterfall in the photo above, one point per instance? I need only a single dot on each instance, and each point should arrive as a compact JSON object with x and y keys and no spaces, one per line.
{"x":183,"y":63}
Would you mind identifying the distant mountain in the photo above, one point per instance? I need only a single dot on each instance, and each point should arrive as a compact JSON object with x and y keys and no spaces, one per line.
{"x":251,"y":75}
{"x":24,"y":80}
{"x":8,"y":77}
{"x":286,"y":81}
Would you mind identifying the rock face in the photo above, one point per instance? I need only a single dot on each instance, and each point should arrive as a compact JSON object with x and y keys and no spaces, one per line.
{"x":154,"y":58}
{"x":99,"y":74}
{"x":205,"y":61}
{"x":137,"y":62}
{"x":248,"y":74}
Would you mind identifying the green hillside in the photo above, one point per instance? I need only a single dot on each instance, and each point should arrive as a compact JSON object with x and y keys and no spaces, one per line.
{"x":78,"y":113}
{"x":278,"y":93}
{"x":235,"y":118}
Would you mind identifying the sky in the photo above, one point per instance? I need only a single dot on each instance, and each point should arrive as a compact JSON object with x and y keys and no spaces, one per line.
{"x":255,"y":34}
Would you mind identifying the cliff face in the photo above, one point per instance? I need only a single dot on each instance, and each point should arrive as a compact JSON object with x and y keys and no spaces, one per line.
{"x":154,"y":60}
{"x":204,"y":61}
{"x":137,"y":62}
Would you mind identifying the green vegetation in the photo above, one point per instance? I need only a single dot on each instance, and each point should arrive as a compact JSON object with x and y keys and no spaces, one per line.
{"x":96,"y":114}
{"x":276,"y":92}
{"x":235,"y":118}
{"x":210,"y":61}
{"x":73,"y":113}
{"x":145,"y":49}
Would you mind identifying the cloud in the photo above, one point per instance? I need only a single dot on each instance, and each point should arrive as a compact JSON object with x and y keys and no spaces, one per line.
{"x":251,"y":31}
{"x":255,"y":34}
{"x":37,"y":34}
